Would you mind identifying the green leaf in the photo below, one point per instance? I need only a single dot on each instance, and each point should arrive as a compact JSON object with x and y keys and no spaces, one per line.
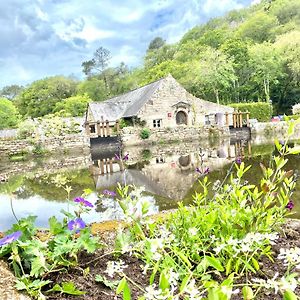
{"x":183,"y":258}
{"x":255,"y":263}
{"x":67,"y":288}
{"x":121,"y":285}
{"x":184,"y":283}
{"x":112,"y":284}
{"x":214,"y":262}
{"x":247,"y":293}
{"x":163,"y":281}
{"x":126,"y":292}
{"x":228,"y":266}
{"x":55,"y":226}
{"x":289,"y":295}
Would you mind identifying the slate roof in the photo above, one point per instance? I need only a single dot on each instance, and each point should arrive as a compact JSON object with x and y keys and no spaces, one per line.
{"x":125,"y":105}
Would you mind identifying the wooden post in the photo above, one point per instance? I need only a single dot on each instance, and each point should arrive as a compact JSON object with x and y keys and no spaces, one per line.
{"x":100,"y":163}
{"x":241,"y":119}
{"x":87,"y":129}
{"x":98,"y":130}
{"x":234,"y":119}
{"x":226,"y":119}
{"x":111,"y":166}
{"x":247,"y":118}
{"x":249,"y":149}
{"x":118,"y":126}
{"x":107,"y":128}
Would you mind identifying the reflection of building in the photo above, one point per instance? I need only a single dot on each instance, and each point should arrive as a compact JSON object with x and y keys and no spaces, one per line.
{"x":165,"y":174}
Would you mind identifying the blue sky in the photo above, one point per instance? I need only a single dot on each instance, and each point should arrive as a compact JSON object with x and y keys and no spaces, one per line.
{"x":40,"y":38}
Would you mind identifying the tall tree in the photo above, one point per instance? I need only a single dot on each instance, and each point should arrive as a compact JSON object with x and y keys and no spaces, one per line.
{"x":156,"y":43}
{"x":9,"y":116}
{"x":11,"y":91}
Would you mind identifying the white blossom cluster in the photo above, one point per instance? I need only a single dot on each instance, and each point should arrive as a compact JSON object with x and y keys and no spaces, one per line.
{"x":282,"y":284}
{"x":290,"y":256}
{"x":248,"y":244}
{"x":115,"y":267}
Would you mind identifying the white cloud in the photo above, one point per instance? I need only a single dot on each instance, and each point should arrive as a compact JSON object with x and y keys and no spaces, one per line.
{"x":254,"y":2}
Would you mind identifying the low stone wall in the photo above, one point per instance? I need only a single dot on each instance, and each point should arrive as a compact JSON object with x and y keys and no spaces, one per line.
{"x":59,"y":144}
{"x":130,"y":136}
{"x":262,"y":132}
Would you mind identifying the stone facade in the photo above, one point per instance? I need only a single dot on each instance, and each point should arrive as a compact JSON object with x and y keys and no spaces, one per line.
{"x":171,"y":104}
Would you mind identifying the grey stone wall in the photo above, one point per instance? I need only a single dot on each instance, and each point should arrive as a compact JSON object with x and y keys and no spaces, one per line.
{"x":131,"y":135}
{"x":61,"y":144}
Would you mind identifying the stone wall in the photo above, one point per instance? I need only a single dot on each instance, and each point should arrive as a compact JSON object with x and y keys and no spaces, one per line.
{"x":60,"y":144}
{"x":265,"y":131}
{"x":131,"y":135}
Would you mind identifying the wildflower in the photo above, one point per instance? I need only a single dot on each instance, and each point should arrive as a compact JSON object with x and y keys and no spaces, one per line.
{"x":10,"y":238}
{"x":83,"y":202}
{"x":238,"y":160}
{"x":290,"y":205}
{"x":125,"y":158}
{"x":76,"y":224}
{"x":290,"y":256}
{"x":193,"y":231}
{"x":117,"y":156}
{"x":204,"y":172}
{"x":109,"y":193}
{"x":115,"y":267}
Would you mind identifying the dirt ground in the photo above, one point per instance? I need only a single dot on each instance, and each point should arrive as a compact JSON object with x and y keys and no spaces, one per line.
{"x":96,"y":264}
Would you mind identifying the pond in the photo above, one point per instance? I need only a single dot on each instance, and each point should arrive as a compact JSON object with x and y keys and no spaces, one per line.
{"x":167,"y":172}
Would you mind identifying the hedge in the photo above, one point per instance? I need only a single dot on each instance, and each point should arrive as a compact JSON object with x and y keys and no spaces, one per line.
{"x":261,"y":111}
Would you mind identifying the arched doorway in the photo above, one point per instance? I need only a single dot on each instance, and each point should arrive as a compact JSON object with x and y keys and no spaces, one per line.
{"x":181,"y":118}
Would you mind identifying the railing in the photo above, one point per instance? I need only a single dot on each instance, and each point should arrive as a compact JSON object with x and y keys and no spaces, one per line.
{"x":102,"y":128}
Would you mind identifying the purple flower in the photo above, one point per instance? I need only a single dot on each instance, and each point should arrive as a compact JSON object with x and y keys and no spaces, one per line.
{"x":205,"y":172}
{"x":238,"y":160}
{"x":290,"y":205}
{"x":83,"y":202}
{"x":76,"y":224}
{"x":10,"y":238}
{"x":117,"y":156}
{"x":109,"y":193}
{"x":125,"y":158}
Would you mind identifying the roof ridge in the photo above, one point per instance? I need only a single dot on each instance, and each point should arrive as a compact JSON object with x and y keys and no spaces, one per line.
{"x":96,"y":102}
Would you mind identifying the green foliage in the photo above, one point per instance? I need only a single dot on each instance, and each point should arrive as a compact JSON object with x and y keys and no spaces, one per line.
{"x":73,"y":106}
{"x":9,"y":116}
{"x":41,"y":97}
{"x":145,"y":133}
{"x":34,"y":257}
{"x":188,"y":252}
{"x":11,"y":91}
{"x":261,"y":111}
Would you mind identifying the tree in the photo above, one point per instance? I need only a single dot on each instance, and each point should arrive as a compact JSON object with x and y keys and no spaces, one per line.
{"x":156,"y":43}
{"x":94,"y":87}
{"x":9,"y":116}
{"x":212,"y":74}
{"x":266,"y":66}
{"x":98,"y":63}
{"x":259,"y":27}
{"x":41,"y":96}
{"x":11,"y":91}
{"x":74,"y":106}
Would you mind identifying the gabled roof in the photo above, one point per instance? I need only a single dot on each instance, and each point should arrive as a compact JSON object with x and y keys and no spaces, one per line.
{"x":126,"y":105}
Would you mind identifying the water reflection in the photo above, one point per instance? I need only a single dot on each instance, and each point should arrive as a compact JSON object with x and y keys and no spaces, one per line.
{"x":166,"y":171}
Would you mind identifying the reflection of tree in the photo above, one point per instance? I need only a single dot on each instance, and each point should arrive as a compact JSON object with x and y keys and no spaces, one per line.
{"x":49,"y":188}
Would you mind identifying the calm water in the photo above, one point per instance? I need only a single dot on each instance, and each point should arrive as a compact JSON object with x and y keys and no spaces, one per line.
{"x":166,"y":171}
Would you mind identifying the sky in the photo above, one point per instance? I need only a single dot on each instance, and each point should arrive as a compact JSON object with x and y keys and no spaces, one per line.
{"x":41,"y":38}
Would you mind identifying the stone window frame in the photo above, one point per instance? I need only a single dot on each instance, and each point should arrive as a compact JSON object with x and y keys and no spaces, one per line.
{"x":157,"y":123}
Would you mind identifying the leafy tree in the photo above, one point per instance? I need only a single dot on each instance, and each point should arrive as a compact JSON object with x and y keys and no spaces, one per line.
{"x":259,"y":27}
{"x":266,"y":64}
{"x":41,"y":97}
{"x":74,"y":106}
{"x":94,"y":87}
{"x":211,"y":75}
{"x":155,"y":57}
{"x":286,"y":10}
{"x":98,"y":63}
{"x":11,"y":91}
{"x":156,"y":43}
{"x":9,"y":116}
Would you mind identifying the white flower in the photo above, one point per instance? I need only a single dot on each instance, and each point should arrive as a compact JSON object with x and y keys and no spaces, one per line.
{"x":192,"y":291}
{"x":115,"y":267}
{"x":156,"y":244}
{"x":290,"y":256}
{"x":193,"y":231}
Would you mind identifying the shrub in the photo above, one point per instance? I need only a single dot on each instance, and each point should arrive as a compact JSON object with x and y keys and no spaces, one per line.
{"x":261,"y":111}
{"x":145,"y":133}
{"x":9,"y":115}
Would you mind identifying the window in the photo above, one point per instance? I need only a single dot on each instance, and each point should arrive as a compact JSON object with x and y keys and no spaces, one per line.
{"x":160,"y":160}
{"x":92,"y":128}
{"x":157,"y":123}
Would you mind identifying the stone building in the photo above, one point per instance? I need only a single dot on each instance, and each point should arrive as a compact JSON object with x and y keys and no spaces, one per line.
{"x":161,"y":104}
